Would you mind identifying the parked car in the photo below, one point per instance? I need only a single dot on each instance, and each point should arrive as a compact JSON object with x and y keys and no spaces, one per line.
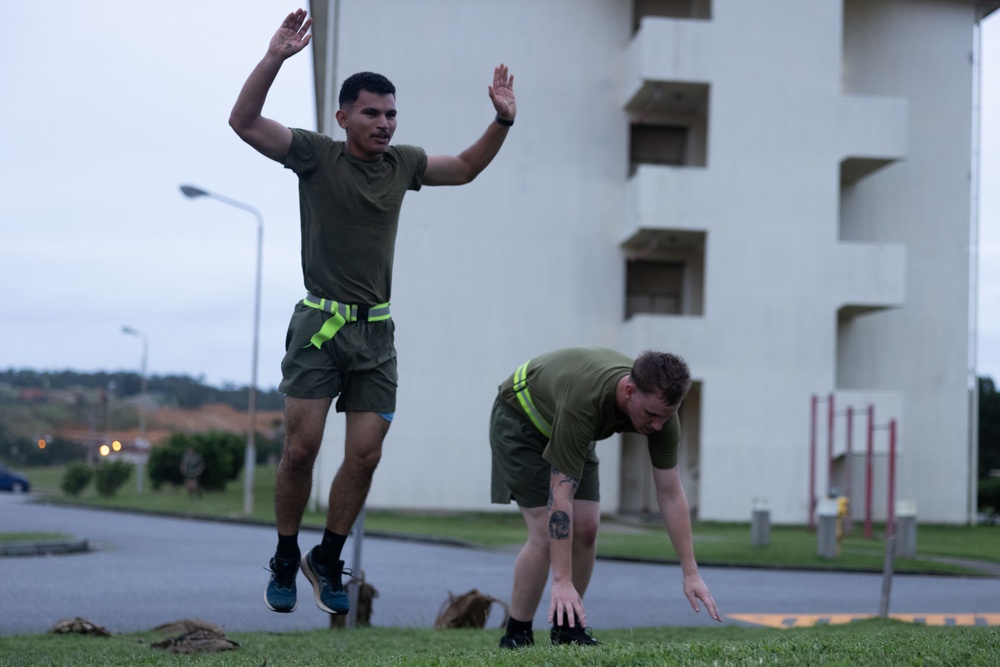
{"x":13,"y":481}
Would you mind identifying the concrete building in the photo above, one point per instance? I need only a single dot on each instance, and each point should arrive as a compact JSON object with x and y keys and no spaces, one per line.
{"x":777,"y":190}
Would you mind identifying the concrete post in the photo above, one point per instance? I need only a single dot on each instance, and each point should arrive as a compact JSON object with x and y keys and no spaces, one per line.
{"x":906,"y":529}
{"x":826,"y":531}
{"x":760,"y":523}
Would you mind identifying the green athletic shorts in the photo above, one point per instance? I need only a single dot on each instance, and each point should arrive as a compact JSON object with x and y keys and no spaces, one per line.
{"x":519,"y":471}
{"x":358,"y":364}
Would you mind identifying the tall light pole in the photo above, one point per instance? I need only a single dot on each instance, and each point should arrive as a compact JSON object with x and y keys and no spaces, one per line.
{"x":251,"y":450}
{"x":141,"y":442}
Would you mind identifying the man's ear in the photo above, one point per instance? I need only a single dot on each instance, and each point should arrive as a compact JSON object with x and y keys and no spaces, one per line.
{"x":630,"y":388}
{"x":341,"y":119}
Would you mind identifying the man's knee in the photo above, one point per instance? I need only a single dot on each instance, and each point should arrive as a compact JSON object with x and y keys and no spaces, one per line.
{"x":585,"y":538}
{"x":305,"y":420}
{"x":366,"y":432}
{"x":585,"y":532}
{"x":299,"y":452}
{"x":365,"y":461}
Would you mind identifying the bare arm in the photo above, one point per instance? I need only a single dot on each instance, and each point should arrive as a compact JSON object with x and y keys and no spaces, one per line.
{"x":268,"y":136}
{"x":677,"y":518}
{"x":565,"y":605}
{"x":462,"y":168}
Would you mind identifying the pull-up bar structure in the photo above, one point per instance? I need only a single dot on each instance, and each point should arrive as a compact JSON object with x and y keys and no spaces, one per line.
{"x":869,"y":460}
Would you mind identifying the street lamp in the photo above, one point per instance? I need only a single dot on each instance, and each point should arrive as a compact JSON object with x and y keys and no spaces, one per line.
{"x":141,"y":442}
{"x":193,"y":192}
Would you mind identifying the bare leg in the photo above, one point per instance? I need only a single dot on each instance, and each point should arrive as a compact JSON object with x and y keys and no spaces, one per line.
{"x":531,"y":569}
{"x":362,"y":452}
{"x":586,"y":521}
{"x":305,"y":420}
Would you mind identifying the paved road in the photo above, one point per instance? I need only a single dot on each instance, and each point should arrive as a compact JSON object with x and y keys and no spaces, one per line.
{"x":143,"y":571}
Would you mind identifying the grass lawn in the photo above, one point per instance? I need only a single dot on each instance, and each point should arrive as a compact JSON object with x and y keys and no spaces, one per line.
{"x":719,"y":543}
{"x":868,"y":642}
{"x":871,"y":642}
{"x":9,"y":538}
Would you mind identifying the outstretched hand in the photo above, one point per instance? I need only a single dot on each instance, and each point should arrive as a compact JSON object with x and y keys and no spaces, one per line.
{"x":292,"y":36}
{"x":502,"y":93}
{"x":695,"y":589}
{"x":566,"y":607}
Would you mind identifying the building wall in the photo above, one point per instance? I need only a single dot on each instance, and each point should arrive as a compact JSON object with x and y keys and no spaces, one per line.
{"x":797,"y":283}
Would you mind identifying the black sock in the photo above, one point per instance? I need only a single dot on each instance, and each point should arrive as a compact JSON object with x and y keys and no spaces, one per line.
{"x":330,"y":548}
{"x":288,"y":547}
{"x":515,"y":626}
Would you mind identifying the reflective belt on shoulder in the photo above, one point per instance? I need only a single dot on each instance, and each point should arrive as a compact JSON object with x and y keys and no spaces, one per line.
{"x":342,"y":314}
{"x":524,"y":396}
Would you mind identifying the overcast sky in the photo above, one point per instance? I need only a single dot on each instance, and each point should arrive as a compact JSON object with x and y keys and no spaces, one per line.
{"x":108,"y":107}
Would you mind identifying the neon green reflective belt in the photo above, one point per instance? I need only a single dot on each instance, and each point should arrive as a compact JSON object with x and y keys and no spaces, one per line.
{"x":524,"y":396}
{"x":342,"y":313}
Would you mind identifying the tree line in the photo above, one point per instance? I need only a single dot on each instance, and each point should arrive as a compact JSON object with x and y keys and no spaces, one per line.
{"x":180,"y":391}
{"x":989,"y":447}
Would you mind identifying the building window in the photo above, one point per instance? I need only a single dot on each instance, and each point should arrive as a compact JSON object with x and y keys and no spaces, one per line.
{"x":654,"y":287}
{"x":651,"y":144}
{"x":665,"y":272}
{"x":672,"y":9}
{"x":668,"y":124}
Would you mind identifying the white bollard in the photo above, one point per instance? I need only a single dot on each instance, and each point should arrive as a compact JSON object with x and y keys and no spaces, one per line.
{"x":906,"y":528}
{"x":826,"y":529}
{"x":760,"y":523}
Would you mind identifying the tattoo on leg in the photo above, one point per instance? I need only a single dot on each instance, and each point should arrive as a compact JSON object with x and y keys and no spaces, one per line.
{"x":559,"y":526}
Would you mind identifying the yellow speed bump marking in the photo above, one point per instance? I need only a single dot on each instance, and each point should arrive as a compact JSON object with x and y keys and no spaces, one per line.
{"x":809,"y":620}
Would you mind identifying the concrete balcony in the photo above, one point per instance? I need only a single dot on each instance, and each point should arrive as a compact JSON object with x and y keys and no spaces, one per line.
{"x":659,"y":197}
{"x":679,"y":332}
{"x":667,"y":50}
{"x":873,"y":133}
{"x":869,"y":276}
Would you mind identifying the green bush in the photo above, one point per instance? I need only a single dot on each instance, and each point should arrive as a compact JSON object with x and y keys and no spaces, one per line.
{"x":164,"y":463}
{"x":21,"y":451}
{"x":110,"y":476}
{"x":989,"y":496}
{"x":223,"y":454}
{"x":76,"y":478}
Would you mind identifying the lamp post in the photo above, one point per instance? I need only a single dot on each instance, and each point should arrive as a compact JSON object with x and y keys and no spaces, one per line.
{"x":141,"y":442}
{"x":193,"y":192}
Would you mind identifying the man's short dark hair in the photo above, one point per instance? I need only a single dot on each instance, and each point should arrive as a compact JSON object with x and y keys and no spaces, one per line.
{"x":370,"y":81}
{"x":665,"y":375}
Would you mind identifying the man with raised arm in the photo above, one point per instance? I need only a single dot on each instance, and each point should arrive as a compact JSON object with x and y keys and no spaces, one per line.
{"x":340,"y":339}
{"x":546,"y":420}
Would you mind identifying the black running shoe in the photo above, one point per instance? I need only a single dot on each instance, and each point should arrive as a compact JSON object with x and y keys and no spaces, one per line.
{"x":517,"y":640}
{"x":575,"y":635}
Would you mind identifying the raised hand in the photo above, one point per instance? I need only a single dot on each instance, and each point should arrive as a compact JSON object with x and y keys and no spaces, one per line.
{"x":502,"y":93}
{"x":292,"y":36}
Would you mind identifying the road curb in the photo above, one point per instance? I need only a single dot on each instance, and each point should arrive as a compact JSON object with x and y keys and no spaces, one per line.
{"x":43,"y":548}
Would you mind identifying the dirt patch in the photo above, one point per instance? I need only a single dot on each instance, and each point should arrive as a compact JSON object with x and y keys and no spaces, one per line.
{"x":212,"y":418}
{"x":161,"y":423}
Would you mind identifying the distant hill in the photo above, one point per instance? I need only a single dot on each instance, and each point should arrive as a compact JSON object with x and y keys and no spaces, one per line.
{"x":168,"y":390}
{"x":87,"y":408}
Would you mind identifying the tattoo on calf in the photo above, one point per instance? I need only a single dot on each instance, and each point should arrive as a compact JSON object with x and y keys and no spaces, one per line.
{"x":559,"y":526}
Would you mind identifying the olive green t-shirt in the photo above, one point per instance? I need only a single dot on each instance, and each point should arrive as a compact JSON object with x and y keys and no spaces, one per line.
{"x":349,"y":213}
{"x":574,"y":390}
